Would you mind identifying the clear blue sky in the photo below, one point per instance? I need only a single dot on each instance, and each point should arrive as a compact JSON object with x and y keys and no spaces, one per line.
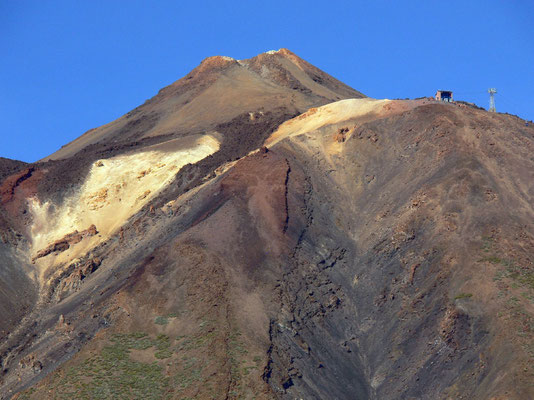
{"x":68,"y":66}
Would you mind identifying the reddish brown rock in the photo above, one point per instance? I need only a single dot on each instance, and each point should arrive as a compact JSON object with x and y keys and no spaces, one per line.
{"x":64,"y":243}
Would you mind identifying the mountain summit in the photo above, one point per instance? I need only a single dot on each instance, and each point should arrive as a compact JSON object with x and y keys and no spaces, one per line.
{"x":217,"y":91}
{"x":260,"y":230}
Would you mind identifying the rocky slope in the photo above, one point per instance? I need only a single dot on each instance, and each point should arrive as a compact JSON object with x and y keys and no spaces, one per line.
{"x":264,"y":231}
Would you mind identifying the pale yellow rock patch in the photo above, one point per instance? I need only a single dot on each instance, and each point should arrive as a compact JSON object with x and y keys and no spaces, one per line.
{"x":115,"y":189}
{"x":329,"y":114}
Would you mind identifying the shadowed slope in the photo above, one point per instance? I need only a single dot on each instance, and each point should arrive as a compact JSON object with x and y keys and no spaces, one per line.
{"x":432,"y":264}
{"x":17,"y":290}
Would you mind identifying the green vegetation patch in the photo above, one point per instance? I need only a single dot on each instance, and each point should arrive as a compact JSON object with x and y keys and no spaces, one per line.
{"x":161,"y":320}
{"x":163,"y":346}
{"x":517,"y":276}
{"x":168,"y":367}
{"x":522,"y":275}
{"x":492,"y":259}
{"x":112,"y":374}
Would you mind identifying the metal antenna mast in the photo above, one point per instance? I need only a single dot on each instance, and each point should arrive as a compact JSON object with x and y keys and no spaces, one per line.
{"x":492,"y":92}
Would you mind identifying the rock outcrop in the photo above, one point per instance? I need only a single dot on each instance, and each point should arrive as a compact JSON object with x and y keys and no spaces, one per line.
{"x":65,"y":242}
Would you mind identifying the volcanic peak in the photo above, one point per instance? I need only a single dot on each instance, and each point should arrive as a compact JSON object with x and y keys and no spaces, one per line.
{"x":217,"y":62}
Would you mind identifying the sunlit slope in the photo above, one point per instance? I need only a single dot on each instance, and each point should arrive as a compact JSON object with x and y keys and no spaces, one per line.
{"x":115,"y":189}
{"x":330,"y":114}
{"x":217,"y":91}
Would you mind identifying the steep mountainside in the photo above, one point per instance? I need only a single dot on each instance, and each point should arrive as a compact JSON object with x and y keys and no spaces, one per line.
{"x":217,"y":91}
{"x":273,"y":233}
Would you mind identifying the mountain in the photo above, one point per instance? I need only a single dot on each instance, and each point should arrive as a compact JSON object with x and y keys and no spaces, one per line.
{"x":260,"y":230}
{"x":220,"y":90}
